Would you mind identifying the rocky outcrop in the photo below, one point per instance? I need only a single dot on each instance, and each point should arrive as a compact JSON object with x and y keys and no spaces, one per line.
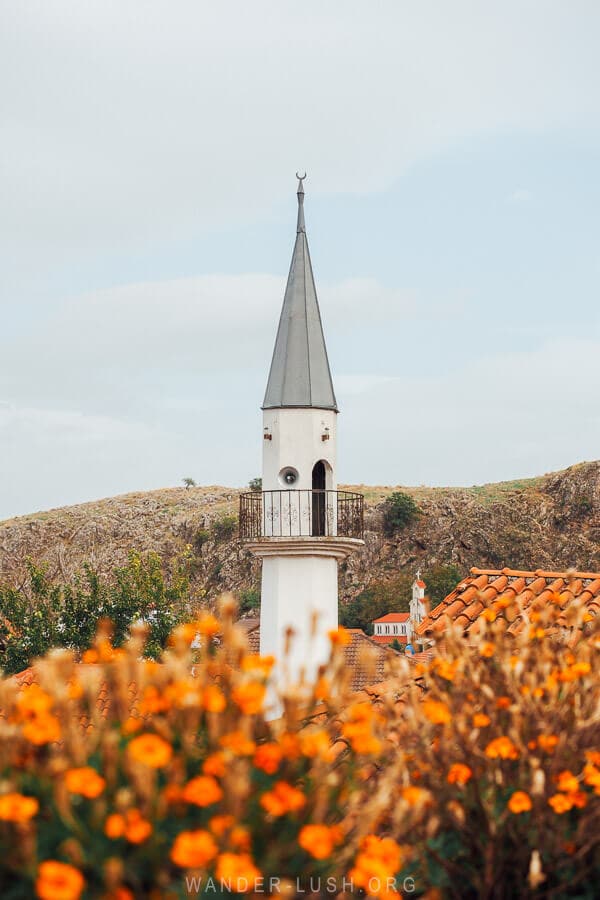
{"x":547,"y":522}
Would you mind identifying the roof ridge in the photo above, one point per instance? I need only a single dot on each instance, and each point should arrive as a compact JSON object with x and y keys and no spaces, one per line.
{"x":529,"y":573}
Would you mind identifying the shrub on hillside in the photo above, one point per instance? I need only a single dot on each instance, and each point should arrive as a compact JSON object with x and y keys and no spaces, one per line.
{"x":399,"y":510}
{"x":477,"y":775}
{"x":224,"y":528}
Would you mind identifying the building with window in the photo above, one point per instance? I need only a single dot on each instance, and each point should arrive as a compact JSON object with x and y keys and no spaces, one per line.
{"x":392,"y":627}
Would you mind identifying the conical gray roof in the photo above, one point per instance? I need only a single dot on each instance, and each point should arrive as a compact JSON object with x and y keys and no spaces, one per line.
{"x":300,"y":374}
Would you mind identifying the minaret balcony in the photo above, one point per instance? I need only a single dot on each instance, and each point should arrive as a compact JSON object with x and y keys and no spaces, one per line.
{"x":301,"y":514}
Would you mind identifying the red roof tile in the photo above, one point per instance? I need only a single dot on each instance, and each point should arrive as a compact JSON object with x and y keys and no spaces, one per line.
{"x":355,"y":653}
{"x":489,"y":588}
{"x":394,"y":617}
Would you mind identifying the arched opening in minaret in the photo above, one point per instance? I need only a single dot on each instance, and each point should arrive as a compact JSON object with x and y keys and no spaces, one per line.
{"x":319,"y":499}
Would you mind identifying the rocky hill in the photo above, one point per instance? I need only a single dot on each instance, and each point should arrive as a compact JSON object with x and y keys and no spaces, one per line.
{"x":548,"y":522}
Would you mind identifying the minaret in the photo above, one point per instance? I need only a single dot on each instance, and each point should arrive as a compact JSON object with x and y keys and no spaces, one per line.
{"x":300,"y":525}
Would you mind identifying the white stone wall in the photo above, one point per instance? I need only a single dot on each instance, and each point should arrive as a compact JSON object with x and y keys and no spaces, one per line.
{"x":293,"y":589}
{"x":296,"y":441}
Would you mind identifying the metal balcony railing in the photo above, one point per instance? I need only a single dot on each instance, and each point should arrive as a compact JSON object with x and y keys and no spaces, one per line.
{"x":301,"y":513}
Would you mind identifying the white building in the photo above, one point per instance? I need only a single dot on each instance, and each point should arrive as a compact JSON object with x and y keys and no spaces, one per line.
{"x":392,"y":627}
{"x":300,"y":525}
{"x":402,"y":626}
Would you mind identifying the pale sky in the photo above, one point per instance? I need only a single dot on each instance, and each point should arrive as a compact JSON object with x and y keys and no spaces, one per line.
{"x":147,"y":217}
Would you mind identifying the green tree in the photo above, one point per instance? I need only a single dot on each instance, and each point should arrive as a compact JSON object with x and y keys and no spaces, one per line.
{"x":399,"y":510}
{"x":377,"y":600}
{"x":224,"y":528}
{"x":255,"y":484}
{"x":440,"y":581}
{"x":42,"y":614}
{"x":189,"y":482}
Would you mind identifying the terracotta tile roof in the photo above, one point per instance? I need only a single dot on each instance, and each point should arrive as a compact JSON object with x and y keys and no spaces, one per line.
{"x":423,"y":656}
{"x":101,"y":699}
{"x":356,"y":652}
{"x":496,"y":589}
{"x":394,"y":617}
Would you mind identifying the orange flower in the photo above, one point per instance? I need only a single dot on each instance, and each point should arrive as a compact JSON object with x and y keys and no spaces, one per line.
{"x":219,"y":824}
{"x":114,"y":827}
{"x":16,"y":807}
{"x":377,"y":862}
{"x":501,"y":748}
{"x":42,"y":730}
{"x":137,"y":829}
{"x":578,"y":799}
{"x":519,"y":802}
{"x":316,"y":743}
{"x":213,"y":699}
{"x":238,"y":743}
{"x":290,"y":745}
{"x":239,"y":838}
{"x":459,"y":774}
{"x":339,"y":637}
{"x":238,"y":871}
{"x":33,"y":701}
{"x":487,"y":649}
{"x":214,"y":765}
{"x":322,"y":688}
{"x":319,"y":840}
{"x":84,"y":781}
{"x":172,"y":793}
{"x":560,"y":803}
{"x":591,"y":776}
{"x":193,"y":849}
{"x":444,"y":668}
{"x":567,"y":782}
{"x":268,"y":757}
{"x":413,"y":795}
{"x":202,"y":791}
{"x":252,"y":662}
{"x":151,"y":750}
{"x":90,"y":656}
{"x":547,"y":742}
{"x":503,"y":702}
{"x":208,"y":625}
{"x":593,"y":756}
{"x":249,"y":697}
{"x":282,"y":799}
{"x":480,"y":720}
{"x":437,"y":712}
{"x":184,"y":634}
{"x":119,"y":893}
{"x":58,"y":881}
{"x":153,"y":701}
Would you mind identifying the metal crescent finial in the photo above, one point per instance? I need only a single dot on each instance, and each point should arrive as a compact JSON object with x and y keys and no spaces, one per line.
{"x":300,"y":177}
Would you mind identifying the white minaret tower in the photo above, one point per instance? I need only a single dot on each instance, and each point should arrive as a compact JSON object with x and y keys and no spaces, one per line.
{"x":300,"y":525}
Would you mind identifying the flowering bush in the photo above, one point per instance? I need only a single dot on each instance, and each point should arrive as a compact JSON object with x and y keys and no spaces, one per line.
{"x":477,"y":775}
